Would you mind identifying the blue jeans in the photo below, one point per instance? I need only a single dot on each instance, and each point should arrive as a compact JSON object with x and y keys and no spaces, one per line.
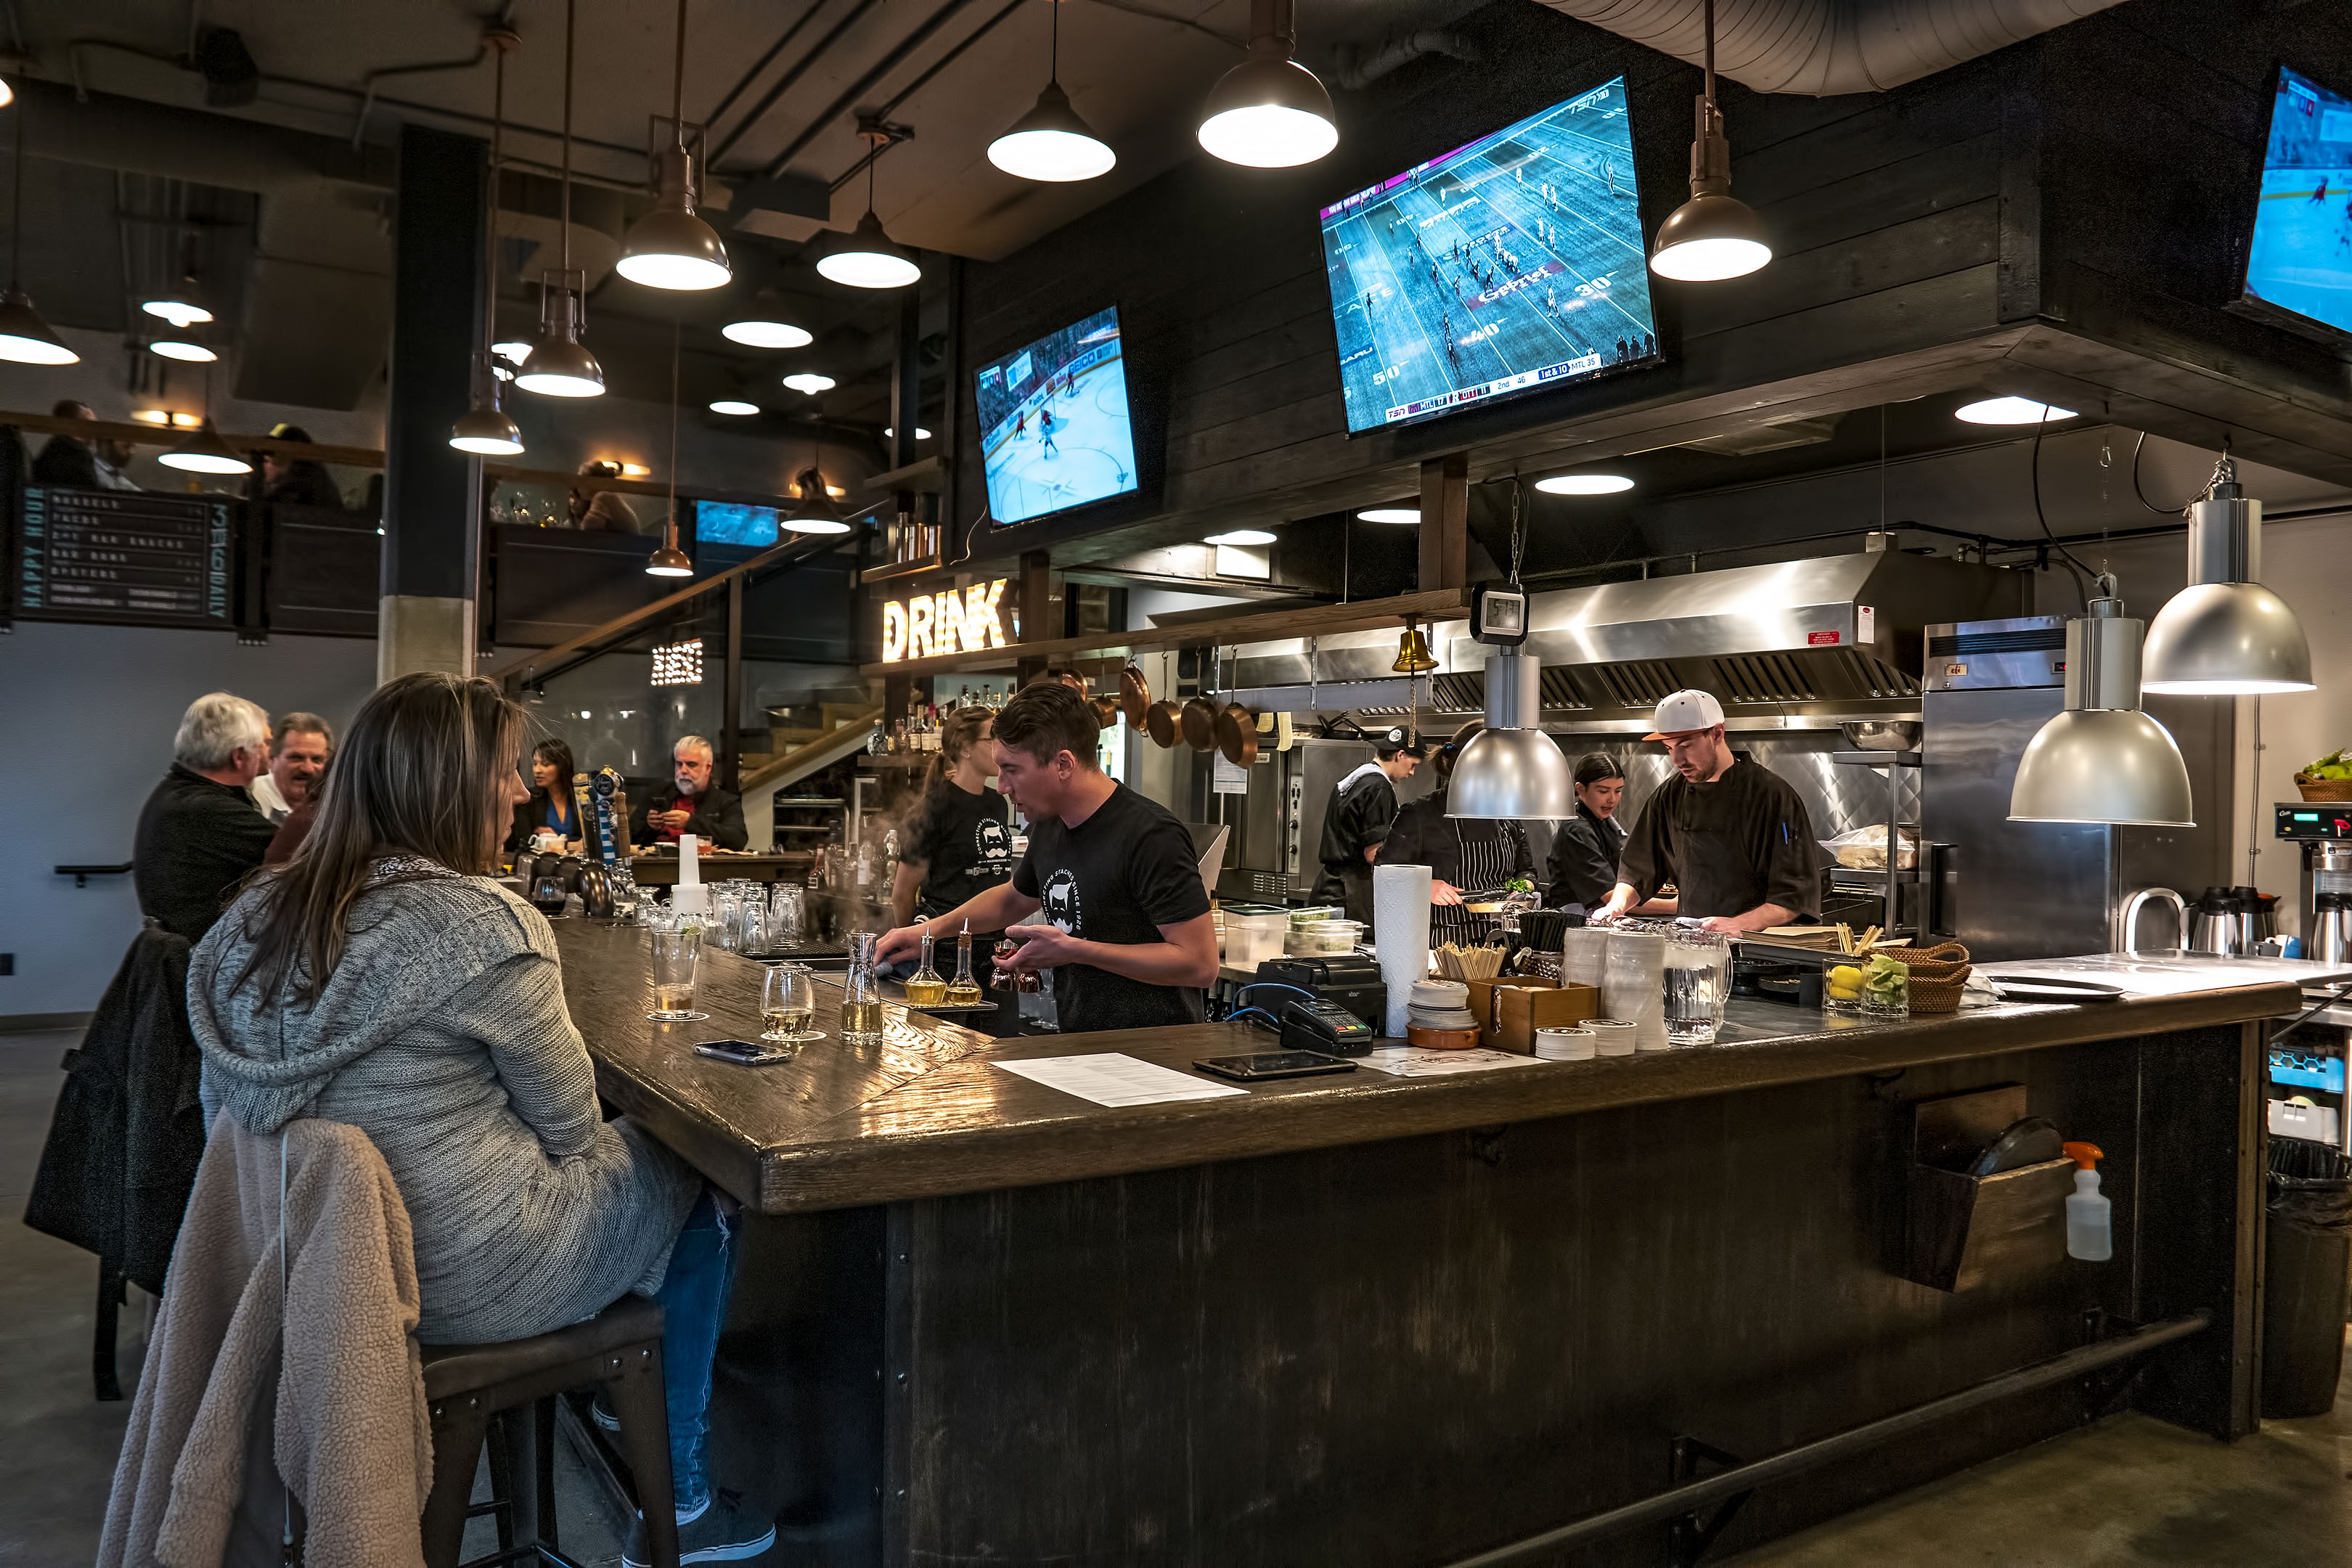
{"x":693,"y":1295}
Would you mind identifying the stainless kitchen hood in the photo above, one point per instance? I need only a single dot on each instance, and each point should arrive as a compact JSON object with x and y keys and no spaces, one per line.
{"x":1798,"y":643}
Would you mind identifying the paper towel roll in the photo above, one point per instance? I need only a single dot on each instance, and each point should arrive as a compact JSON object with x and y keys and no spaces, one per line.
{"x":1401,"y":936}
{"x":1633,"y":985}
{"x":1584,"y":952}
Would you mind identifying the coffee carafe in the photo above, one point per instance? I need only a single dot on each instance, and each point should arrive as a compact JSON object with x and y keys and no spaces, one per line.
{"x":2217,"y":927}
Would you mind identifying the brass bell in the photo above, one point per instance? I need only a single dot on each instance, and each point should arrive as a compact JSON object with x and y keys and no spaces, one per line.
{"x":1413,"y":657}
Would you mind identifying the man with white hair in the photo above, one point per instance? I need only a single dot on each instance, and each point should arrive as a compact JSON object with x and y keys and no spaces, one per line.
{"x":691,"y":803}
{"x":199,"y":836}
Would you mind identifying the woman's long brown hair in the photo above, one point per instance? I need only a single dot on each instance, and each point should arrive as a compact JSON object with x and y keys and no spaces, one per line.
{"x":424,"y":772}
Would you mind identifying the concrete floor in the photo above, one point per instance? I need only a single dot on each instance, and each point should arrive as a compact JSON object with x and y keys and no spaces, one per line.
{"x":2127,"y":1492}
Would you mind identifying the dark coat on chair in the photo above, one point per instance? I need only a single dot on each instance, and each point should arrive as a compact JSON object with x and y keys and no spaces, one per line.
{"x":128,"y":1130}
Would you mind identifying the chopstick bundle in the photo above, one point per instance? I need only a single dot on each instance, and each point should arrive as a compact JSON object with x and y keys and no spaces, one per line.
{"x":1458,"y":962}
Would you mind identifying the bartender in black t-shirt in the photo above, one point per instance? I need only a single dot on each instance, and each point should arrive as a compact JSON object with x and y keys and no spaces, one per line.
{"x":1130,"y":941}
{"x":1732,"y":835}
{"x":958,"y":842}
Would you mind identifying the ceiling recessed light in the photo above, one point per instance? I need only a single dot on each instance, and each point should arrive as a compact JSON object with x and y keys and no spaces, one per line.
{"x":734,"y":406}
{"x":1241,"y":536}
{"x":1584,"y":484}
{"x":809,"y":382}
{"x":2010,"y":411}
{"x":175,"y":348}
{"x":1390,"y":514}
{"x":767,"y":334}
{"x":920,"y":433}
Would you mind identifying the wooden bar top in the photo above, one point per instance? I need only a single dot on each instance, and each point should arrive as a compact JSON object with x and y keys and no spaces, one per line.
{"x":925,"y":1114}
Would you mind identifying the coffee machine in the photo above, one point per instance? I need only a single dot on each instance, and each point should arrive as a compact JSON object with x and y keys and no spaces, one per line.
{"x":2323,"y":829}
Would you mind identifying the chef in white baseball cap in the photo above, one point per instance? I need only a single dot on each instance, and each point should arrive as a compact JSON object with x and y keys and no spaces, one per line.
{"x":1730,"y":834}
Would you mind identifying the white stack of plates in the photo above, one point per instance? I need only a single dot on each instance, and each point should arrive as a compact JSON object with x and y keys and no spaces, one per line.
{"x":1613,"y":1037}
{"x":1439,"y":1004}
{"x":1570,"y":1044}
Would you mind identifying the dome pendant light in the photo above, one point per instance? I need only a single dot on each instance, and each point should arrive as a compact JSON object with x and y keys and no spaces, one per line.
{"x":204,"y":452}
{"x":2102,"y":760}
{"x":1051,"y":143}
{"x":1511,"y":769}
{"x":24,"y":337}
{"x":669,"y":561}
{"x":671,"y":247}
{"x":2225,"y":633}
{"x":1713,"y":235}
{"x":1269,"y":112}
{"x":814,"y":513}
{"x":485,"y":429}
{"x":558,"y":364}
{"x":868,"y":257}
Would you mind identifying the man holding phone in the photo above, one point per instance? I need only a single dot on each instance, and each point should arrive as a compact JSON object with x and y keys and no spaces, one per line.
{"x":1130,"y":941}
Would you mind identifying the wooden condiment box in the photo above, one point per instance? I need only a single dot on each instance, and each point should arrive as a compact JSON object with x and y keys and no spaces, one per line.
{"x":1510,"y":1008}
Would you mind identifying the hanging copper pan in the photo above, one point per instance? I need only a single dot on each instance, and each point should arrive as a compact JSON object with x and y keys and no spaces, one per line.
{"x":1198,"y":723}
{"x":1237,"y":735}
{"x":1134,"y":695}
{"x":1105,"y":709}
{"x":1160,"y":722}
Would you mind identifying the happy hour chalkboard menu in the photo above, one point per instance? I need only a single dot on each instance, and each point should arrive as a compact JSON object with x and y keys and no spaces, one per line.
{"x":124,"y":556}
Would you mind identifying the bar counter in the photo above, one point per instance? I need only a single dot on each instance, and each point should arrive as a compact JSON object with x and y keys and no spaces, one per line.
{"x":1374,"y":1321}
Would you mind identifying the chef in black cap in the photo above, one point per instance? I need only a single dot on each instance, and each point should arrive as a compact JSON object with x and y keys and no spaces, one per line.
{"x":1357,"y":819}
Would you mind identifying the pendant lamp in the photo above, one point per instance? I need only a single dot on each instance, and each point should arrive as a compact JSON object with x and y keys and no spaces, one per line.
{"x":484,"y":429}
{"x":205,"y":453}
{"x":183,"y":306}
{"x":868,"y":257}
{"x":669,"y":561}
{"x":671,"y":247}
{"x":1713,"y":235}
{"x":1269,"y":112}
{"x":559,"y":365}
{"x":1051,"y":141}
{"x":2102,"y":760}
{"x":24,"y":337}
{"x":1511,"y":769}
{"x":814,"y":513}
{"x":2225,"y":633}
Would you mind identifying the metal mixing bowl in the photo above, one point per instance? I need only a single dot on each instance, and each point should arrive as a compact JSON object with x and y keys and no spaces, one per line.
{"x":1883,"y":734}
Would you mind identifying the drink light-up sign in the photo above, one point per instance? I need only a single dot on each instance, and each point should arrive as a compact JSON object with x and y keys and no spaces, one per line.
{"x":945,"y":621}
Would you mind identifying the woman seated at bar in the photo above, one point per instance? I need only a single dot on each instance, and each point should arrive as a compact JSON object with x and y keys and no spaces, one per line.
{"x":382,"y":979}
{"x":1463,"y":853}
{"x":1130,"y":941}
{"x":549,"y":804}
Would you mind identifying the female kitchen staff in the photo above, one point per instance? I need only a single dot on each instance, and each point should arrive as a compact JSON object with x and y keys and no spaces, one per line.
{"x":1461,"y":852}
{"x":1585,"y":851}
{"x":551,"y":804}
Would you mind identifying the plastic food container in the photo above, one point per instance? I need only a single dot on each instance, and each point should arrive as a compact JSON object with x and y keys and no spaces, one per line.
{"x":1252,"y":938}
{"x":1301,"y":918}
{"x":1323,"y":938}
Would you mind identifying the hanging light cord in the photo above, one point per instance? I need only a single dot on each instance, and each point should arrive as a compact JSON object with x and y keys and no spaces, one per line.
{"x":490,"y":208}
{"x":1053,"y":49}
{"x":2160,"y":510}
{"x":677,"y":81}
{"x":569,"y":9}
{"x":1710,"y":59}
{"x":16,"y":203}
{"x":2066,"y":555}
{"x":672,"y":540}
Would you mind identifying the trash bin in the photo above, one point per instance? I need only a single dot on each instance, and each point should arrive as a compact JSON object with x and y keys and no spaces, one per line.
{"x":2307,"y":1277}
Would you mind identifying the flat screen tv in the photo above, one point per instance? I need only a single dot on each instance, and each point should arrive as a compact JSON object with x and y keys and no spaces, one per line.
{"x":734,"y":523}
{"x":1513,"y":263}
{"x":1054,"y":428}
{"x":2299,"y":265}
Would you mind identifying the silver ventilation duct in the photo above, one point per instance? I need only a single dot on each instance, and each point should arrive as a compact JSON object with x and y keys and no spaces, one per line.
{"x":1828,"y":47}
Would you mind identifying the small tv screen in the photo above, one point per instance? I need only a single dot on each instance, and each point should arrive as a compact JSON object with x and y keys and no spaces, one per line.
{"x":1054,"y":428}
{"x":2301,"y":258}
{"x":1513,"y":263}
{"x":733,"y":522}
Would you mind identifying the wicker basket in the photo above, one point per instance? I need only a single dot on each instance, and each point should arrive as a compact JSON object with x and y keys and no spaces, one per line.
{"x":2323,"y":789}
{"x":1943,"y":952}
{"x":1937,"y":995}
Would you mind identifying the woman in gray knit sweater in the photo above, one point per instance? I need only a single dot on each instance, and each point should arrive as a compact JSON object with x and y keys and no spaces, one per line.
{"x":380,"y":978}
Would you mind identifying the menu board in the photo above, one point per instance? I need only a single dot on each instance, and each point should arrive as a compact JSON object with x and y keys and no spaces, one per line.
{"x":124,"y":556}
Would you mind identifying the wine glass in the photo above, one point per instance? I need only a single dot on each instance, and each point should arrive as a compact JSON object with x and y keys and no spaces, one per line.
{"x":548,"y":893}
{"x":788,"y":1004}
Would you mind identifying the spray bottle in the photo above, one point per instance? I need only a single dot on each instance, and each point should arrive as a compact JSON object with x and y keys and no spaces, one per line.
{"x":2090,"y":1234}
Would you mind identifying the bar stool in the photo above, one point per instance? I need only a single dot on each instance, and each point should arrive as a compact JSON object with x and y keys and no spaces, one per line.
{"x":466,"y":1386}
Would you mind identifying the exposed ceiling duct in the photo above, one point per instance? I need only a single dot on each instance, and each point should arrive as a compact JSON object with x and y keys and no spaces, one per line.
{"x":1356,"y":67}
{"x":1829,"y":47}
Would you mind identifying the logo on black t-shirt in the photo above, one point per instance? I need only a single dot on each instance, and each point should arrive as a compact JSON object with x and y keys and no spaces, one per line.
{"x":1060,"y":899}
{"x":993,"y":845}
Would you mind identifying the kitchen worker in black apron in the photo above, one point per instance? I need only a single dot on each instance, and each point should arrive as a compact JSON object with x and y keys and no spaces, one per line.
{"x":1586,"y":848}
{"x":1362,"y":806}
{"x":1730,"y":834}
{"x":1463,"y":854}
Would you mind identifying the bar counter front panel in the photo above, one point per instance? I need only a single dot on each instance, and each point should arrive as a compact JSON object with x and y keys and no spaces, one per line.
{"x":1370,"y":1321}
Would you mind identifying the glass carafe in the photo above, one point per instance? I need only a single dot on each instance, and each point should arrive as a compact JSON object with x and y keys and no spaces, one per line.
{"x":861,"y":994}
{"x":1696,"y":985}
{"x":965,"y":990}
{"x":924,"y":987}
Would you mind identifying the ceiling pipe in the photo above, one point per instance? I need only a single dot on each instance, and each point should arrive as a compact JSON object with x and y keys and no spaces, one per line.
{"x":1355,"y":69}
{"x":1824,"y":47}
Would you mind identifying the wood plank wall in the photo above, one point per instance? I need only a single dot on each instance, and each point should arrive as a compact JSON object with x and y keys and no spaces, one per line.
{"x":2098,"y":180}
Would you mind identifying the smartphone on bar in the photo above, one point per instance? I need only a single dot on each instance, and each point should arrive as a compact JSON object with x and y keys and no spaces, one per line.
{"x":744,"y":1053}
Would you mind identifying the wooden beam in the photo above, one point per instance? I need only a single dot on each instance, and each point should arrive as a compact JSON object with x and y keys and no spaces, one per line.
{"x":1320,"y":620}
{"x":1445,"y":522}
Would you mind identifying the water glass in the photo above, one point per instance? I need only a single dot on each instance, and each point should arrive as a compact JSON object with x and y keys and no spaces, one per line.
{"x":786,"y":908}
{"x":623,"y":883}
{"x":676,"y":953}
{"x":788,"y":1004}
{"x":1697,"y":984}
